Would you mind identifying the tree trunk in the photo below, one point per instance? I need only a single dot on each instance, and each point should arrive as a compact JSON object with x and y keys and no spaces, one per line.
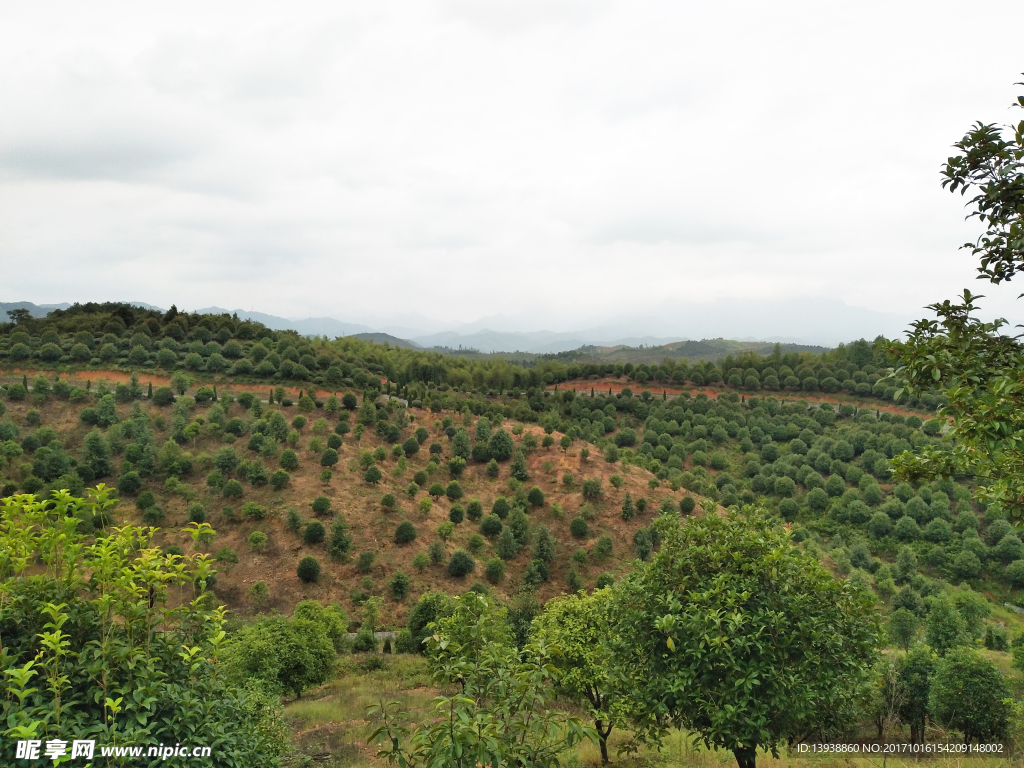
{"x":602,"y":739}
{"x":746,"y":757}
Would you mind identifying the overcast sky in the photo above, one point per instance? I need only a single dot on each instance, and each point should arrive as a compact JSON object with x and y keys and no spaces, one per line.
{"x":550,"y":158}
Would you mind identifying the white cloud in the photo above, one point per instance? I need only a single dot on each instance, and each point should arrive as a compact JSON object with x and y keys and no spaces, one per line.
{"x":465,"y":158}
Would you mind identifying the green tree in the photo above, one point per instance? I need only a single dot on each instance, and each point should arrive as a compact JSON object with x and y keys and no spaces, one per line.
{"x":727,"y":601}
{"x":577,"y":625}
{"x":482,"y":724}
{"x":68,"y":638}
{"x":500,"y":445}
{"x":968,"y":693}
{"x":902,"y":628}
{"x":974,"y":362}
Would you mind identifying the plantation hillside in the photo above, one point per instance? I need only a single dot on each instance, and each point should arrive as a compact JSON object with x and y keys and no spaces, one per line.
{"x":550,"y":488}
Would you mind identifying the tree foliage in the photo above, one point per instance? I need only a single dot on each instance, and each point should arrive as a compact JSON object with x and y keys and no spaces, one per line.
{"x":734,"y":634}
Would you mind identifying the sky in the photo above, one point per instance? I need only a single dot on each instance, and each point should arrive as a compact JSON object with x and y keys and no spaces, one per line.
{"x":553,"y":161}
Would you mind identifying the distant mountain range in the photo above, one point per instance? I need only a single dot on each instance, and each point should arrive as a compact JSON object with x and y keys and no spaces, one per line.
{"x":813,"y":322}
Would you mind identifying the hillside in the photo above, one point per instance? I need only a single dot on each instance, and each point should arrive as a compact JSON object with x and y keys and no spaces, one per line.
{"x":141,"y":440}
{"x":805,"y":435}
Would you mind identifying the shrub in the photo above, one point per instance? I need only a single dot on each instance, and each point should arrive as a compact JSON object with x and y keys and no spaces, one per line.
{"x":328,"y":458}
{"x":421,"y":561}
{"x":461,"y":564}
{"x":129,"y":483}
{"x":501,"y":507}
{"x":196,"y":513}
{"x":592,"y":489}
{"x":279,"y":480}
{"x":579,"y":528}
{"x":365,"y":561}
{"x":456,"y":514}
{"x":603,"y":548}
{"x":388,"y":501}
{"x":232,"y":488}
{"x":314,"y":532}
{"x":309,"y":569}
{"x":687,"y":505}
{"x":436,"y":552}
{"x":495,"y":570}
{"x":372,"y":475}
{"x":226,"y":555}
{"x":340,"y":542}
{"x":453,"y":491}
{"x":426,"y":505}
{"x":475,"y":543}
{"x":258,"y":541}
{"x":253,"y":511}
{"x":163,"y":396}
{"x":289,"y":460}
{"x":436,"y":490}
{"x":445,"y":530}
{"x":399,"y":585}
{"x":491,"y":525}
{"x":535,"y":497}
{"x":474,"y":510}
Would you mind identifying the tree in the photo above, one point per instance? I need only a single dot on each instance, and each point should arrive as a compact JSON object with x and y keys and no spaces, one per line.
{"x":500,"y":445}
{"x":52,"y":629}
{"x":535,"y":497}
{"x":727,"y":601}
{"x":968,"y":693}
{"x":461,"y":564}
{"x":405,"y":533}
{"x":628,"y":510}
{"x":309,"y":569}
{"x":518,"y":468}
{"x":495,"y":570}
{"x":328,"y":458}
{"x":916,"y":669}
{"x":372,"y":475}
{"x":507,"y":545}
{"x":902,"y":628}
{"x":972,"y":361}
{"x":946,"y":628}
{"x":577,"y":625}
{"x":579,"y":528}
{"x":314,"y":533}
{"x":399,"y":585}
{"x":481,"y":723}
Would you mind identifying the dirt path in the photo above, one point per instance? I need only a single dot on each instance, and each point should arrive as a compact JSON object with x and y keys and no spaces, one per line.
{"x":79,"y":378}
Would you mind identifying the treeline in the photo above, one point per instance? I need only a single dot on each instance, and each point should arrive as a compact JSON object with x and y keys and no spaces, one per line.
{"x":126,"y":337}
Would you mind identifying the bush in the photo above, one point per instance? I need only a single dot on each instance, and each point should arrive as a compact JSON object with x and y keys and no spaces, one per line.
{"x":372,"y":475}
{"x":253,"y":511}
{"x":364,"y":641}
{"x":232,"y":488}
{"x":405,"y":533}
{"x":328,"y":458}
{"x":436,"y":552}
{"x":197,"y":513}
{"x":453,"y":491}
{"x":592,"y":489}
{"x":687,"y":505}
{"x":475,"y":544}
{"x":494,"y":572}
{"x":309,"y":569}
{"x":491,"y":525}
{"x":461,"y":564}
{"x":579,"y":528}
{"x":129,"y":483}
{"x":163,"y":396}
{"x":399,"y":584}
{"x":314,"y":532}
{"x":388,"y":501}
{"x":365,"y":561}
{"x":535,"y":497}
{"x":474,"y":510}
{"x":258,"y":541}
{"x":501,"y":507}
{"x":456,"y":514}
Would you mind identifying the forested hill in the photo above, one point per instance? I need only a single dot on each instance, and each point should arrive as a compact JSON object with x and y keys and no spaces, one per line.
{"x":223,"y":347}
{"x":689,"y":351}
